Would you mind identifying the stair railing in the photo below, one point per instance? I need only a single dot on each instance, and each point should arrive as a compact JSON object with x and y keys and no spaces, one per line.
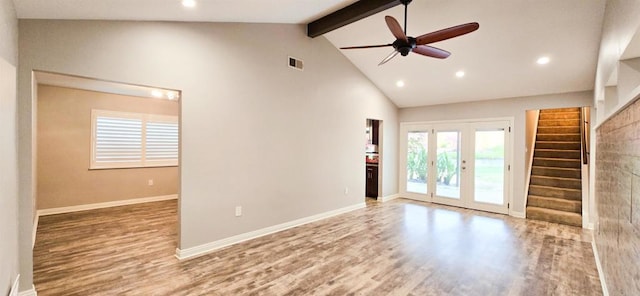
{"x":584,"y":134}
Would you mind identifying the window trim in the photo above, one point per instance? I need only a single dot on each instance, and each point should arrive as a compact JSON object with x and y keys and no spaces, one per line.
{"x":143,"y":163}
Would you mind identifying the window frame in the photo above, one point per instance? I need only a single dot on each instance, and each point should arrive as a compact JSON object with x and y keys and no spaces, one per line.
{"x":143,"y":162}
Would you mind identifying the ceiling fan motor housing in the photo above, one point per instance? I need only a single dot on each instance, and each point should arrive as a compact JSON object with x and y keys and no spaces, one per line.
{"x":404,"y":48}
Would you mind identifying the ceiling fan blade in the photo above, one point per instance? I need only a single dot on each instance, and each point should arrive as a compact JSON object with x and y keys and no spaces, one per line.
{"x":431,"y":51}
{"x":395,"y":28}
{"x":366,"y":46}
{"x":389,"y":57}
{"x":447,"y":33}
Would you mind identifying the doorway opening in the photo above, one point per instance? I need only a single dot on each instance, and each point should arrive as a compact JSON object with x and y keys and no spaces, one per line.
{"x":372,"y":159}
{"x":102,"y":149}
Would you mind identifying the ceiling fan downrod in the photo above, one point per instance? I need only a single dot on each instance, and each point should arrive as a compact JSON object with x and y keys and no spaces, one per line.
{"x":406,"y":4}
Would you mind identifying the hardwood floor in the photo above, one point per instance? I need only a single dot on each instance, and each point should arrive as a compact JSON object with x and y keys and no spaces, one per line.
{"x":396,"y":248}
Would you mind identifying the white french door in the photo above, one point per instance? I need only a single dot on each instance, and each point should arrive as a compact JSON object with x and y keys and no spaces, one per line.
{"x":464,"y":164}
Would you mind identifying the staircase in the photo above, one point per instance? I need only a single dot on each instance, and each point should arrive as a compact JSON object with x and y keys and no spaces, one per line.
{"x":555,"y":189}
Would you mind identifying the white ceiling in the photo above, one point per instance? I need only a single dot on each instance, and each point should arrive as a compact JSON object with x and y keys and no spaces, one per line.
{"x":499,"y":59}
{"x":247,"y":11}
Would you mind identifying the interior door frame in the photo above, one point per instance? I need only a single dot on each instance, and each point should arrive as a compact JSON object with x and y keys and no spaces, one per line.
{"x":429,"y":126}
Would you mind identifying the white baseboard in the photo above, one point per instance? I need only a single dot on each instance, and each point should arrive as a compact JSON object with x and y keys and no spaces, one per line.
{"x":605,"y":291}
{"x":521,"y":215}
{"x":388,"y":197}
{"x":30,"y":292}
{"x":62,"y":210}
{"x":36,"y":220}
{"x":204,"y":249}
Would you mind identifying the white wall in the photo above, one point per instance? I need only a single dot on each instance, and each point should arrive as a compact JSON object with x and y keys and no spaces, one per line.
{"x":281,"y":143}
{"x":516,"y":108}
{"x":8,"y":32}
{"x":621,"y":24}
{"x":8,"y":169}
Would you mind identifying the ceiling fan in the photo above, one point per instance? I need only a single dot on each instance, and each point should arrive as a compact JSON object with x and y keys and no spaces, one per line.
{"x":405,"y":44}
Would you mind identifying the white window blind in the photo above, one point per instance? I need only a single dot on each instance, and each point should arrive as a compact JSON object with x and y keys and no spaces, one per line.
{"x":118,"y":140}
{"x":125,"y":140}
{"x":162,"y":141}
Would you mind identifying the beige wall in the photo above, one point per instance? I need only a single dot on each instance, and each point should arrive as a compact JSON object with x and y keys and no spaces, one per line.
{"x":64,"y":145}
{"x":9,"y":203}
{"x":279,"y":142}
{"x":516,"y":108}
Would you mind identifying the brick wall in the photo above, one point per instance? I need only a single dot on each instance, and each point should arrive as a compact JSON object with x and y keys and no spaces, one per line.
{"x":618,"y":200}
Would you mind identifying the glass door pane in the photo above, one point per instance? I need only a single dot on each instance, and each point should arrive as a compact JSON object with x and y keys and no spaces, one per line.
{"x":448,"y":175}
{"x":489,"y":166}
{"x":417,"y":148}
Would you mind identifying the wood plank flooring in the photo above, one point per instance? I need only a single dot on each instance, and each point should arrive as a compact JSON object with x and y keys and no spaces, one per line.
{"x":396,"y":248}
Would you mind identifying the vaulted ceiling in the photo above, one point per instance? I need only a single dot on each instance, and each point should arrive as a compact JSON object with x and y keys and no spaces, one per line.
{"x":499,"y":60}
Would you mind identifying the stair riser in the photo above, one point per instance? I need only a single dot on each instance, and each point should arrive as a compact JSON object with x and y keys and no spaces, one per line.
{"x":557,"y":154}
{"x":556,"y":204}
{"x":559,"y":130}
{"x":568,"y":220}
{"x":561,"y":137}
{"x":551,"y":172}
{"x":558,"y":122}
{"x":556,"y":163}
{"x":555,"y":192}
{"x":558,"y":145}
{"x":560,"y":115}
{"x":561,"y":183}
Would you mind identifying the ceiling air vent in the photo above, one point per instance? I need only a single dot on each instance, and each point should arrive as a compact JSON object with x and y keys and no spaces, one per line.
{"x":295,"y":63}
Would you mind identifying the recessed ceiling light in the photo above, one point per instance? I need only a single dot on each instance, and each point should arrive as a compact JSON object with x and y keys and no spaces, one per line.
{"x":543,"y":60}
{"x":189,"y":3}
{"x":460,"y":74}
{"x":156,"y":93}
{"x":400,"y":83}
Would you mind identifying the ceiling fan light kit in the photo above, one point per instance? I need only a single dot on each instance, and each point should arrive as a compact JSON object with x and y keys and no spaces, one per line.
{"x":405,"y":44}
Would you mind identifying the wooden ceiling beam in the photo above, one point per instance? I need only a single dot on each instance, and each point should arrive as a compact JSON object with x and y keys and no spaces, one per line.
{"x":347,"y":15}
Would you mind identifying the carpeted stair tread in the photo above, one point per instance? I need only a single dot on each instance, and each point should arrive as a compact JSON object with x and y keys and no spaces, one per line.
{"x":554,"y":216}
{"x":560,"y":204}
{"x":557,"y":153}
{"x":558,"y":137}
{"x":556,"y":162}
{"x":561,"y":110}
{"x":569,"y":145}
{"x":557,"y":192}
{"x":558,"y":122}
{"x":559,"y":129}
{"x":556,"y":172}
{"x":573,"y":115}
{"x":558,"y":182}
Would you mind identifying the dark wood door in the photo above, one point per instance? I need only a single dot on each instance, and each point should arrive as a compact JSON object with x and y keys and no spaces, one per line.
{"x":372,"y":181}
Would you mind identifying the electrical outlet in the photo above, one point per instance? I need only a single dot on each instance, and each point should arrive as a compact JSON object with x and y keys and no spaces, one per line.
{"x":346,"y":190}
{"x":238,"y":211}
{"x":150,"y":182}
